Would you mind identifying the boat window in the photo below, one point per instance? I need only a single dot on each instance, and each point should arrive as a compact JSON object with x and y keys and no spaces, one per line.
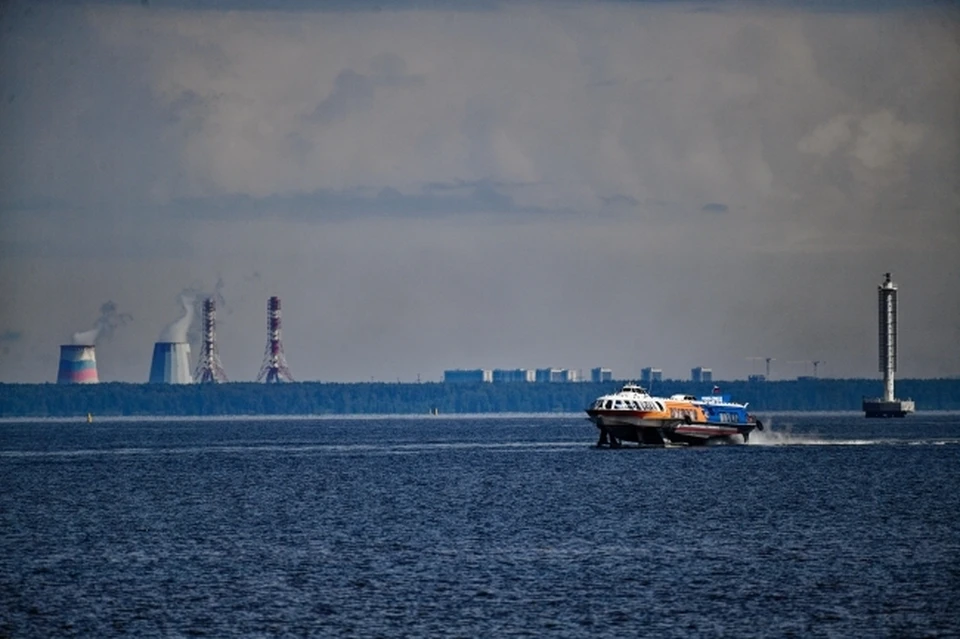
{"x":609,"y":403}
{"x":618,"y":404}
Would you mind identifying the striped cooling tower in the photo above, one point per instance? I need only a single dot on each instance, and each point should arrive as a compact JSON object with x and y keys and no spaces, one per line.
{"x":171,"y":363}
{"x":78,"y":365}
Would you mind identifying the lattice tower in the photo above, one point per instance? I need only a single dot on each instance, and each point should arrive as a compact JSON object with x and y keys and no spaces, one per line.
{"x":209,"y":369}
{"x":274,"y":367}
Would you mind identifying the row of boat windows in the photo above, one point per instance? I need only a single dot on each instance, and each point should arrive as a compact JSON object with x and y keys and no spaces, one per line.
{"x":730,"y":418}
{"x":629,"y":404}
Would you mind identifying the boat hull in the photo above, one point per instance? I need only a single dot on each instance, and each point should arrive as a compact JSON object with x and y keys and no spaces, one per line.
{"x":651,"y":431}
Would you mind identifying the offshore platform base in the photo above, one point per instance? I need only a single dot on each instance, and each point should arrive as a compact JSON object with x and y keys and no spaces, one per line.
{"x":881,"y":408}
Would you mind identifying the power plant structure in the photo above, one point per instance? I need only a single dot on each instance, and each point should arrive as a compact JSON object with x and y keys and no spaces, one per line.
{"x":209,"y":369}
{"x":78,"y":364}
{"x":171,"y":363}
{"x":888,"y":405}
{"x":274,"y":367}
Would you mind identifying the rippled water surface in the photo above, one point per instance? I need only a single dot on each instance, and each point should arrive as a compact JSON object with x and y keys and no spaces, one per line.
{"x":825,"y":525}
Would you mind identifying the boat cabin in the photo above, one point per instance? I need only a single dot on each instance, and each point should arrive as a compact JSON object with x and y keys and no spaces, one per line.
{"x":633,"y":388}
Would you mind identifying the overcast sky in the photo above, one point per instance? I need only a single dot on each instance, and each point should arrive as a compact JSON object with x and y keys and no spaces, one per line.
{"x":567,"y":184}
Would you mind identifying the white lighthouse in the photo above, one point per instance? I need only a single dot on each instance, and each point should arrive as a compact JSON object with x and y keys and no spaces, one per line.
{"x":888,"y":405}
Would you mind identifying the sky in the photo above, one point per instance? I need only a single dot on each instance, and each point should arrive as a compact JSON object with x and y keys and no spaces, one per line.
{"x":487,"y":185}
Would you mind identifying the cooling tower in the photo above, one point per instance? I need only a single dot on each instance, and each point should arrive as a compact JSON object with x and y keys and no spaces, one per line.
{"x":171,"y":363}
{"x":78,"y":365}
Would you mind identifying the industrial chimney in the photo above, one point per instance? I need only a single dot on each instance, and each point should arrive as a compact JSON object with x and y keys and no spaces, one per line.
{"x":171,"y":363}
{"x":78,"y":364}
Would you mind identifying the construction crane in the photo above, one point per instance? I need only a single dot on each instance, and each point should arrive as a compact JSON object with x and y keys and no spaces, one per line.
{"x":815,"y":362}
{"x":767,"y":360}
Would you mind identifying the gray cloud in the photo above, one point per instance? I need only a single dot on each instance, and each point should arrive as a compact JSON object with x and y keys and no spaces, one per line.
{"x":355,"y":92}
{"x":9,"y":336}
{"x":514,"y":185}
{"x":352,"y":92}
{"x":620,"y":200}
{"x":715,"y":207}
{"x":429,"y":201}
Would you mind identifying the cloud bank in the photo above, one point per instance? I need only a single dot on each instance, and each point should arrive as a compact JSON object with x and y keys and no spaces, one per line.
{"x":508,"y":185}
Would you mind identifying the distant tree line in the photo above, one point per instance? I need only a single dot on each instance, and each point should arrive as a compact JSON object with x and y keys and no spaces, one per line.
{"x":315,"y":398}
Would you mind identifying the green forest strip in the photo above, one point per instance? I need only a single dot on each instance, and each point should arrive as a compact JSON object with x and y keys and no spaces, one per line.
{"x":316,"y":398}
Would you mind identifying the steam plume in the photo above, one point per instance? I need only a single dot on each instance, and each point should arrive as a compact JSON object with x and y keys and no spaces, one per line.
{"x":108,"y":321}
{"x":177,"y":331}
{"x":197,"y":294}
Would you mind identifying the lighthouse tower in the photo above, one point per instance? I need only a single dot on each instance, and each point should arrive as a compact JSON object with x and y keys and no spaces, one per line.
{"x":888,"y":405}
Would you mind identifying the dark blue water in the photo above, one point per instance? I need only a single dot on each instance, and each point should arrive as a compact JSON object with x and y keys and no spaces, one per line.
{"x":831,"y":525}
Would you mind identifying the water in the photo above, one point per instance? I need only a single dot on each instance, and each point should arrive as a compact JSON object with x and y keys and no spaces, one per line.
{"x":825,"y":525}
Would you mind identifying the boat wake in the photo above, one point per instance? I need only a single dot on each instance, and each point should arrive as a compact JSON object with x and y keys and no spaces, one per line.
{"x":395,"y":448}
{"x":787,"y":437}
{"x":770,"y":437}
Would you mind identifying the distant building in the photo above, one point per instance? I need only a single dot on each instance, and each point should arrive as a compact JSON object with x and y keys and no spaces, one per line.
{"x":505,"y":375}
{"x":547,"y":375}
{"x":756,"y":378}
{"x":601,"y":375}
{"x":472,"y":376}
{"x":648,"y":375}
{"x":701,"y":374}
{"x":543,"y":375}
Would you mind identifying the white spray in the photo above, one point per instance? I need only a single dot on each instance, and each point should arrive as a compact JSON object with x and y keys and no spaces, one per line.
{"x":786,"y":437}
